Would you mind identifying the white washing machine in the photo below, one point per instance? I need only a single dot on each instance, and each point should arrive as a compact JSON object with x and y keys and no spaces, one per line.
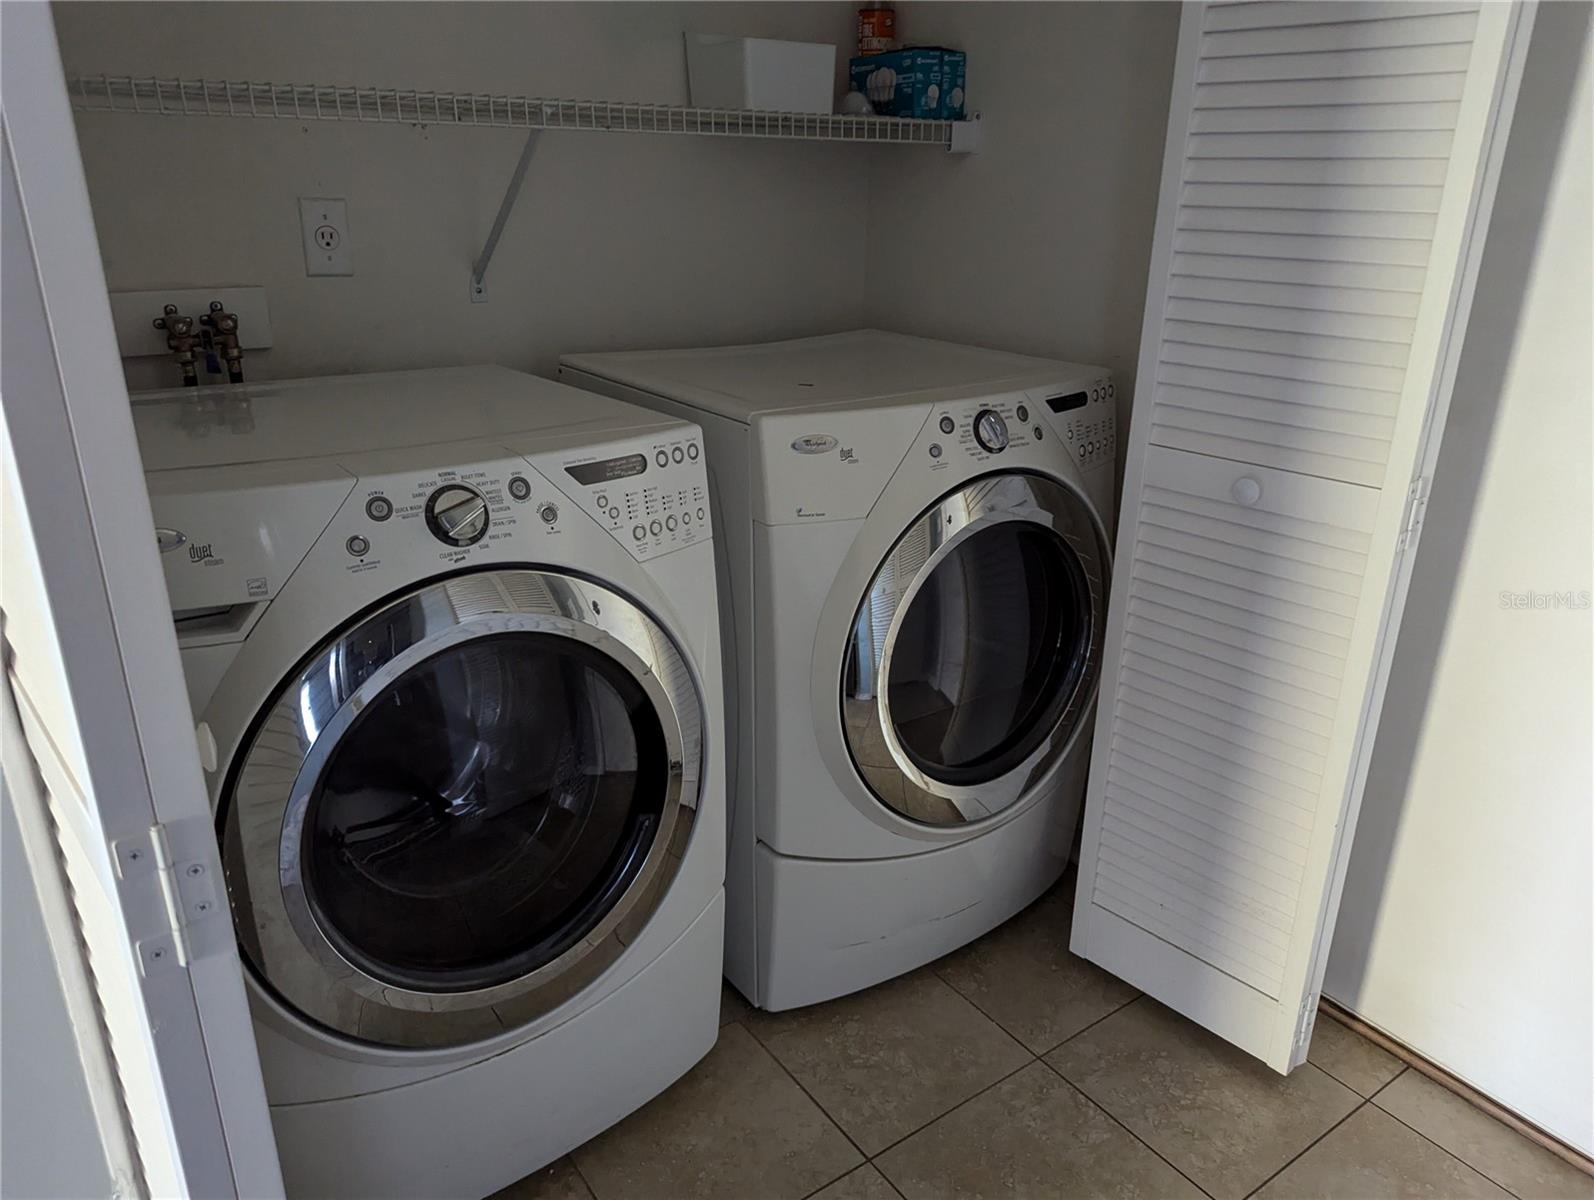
{"x":916,"y":543}
{"x":451,"y":641}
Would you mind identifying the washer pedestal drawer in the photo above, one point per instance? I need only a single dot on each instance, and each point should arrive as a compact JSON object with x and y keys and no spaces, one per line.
{"x":480,"y":1128}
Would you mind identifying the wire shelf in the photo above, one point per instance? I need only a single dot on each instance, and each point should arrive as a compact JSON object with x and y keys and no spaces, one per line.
{"x":150,"y":96}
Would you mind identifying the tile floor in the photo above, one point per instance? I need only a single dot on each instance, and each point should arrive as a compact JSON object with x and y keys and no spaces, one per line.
{"x":1011,"y":1068}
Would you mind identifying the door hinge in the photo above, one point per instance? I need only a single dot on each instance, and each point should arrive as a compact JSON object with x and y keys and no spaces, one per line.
{"x":184,"y":904}
{"x":1416,"y":506}
{"x":1305,"y":1021}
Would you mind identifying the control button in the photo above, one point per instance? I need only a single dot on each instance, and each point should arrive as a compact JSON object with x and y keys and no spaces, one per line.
{"x":700,"y":514}
{"x":456,"y":514}
{"x":357,"y":546}
{"x":990,"y":431}
{"x":686,"y":518}
{"x":935,"y":449}
{"x":519,"y":487}
{"x":1095,"y":393}
{"x":948,"y":424}
{"x":678,"y":454}
{"x":691,"y":451}
{"x":379,"y":508}
{"x":669,"y":523}
{"x":1037,"y":432}
{"x":655,"y":528}
{"x":548,"y":512}
{"x":662,"y":459}
{"x":603,"y":500}
{"x":614,"y":514}
{"x":1109,"y":391}
{"x":1021,"y":412}
{"x":638,"y":532}
{"x":1070,"y":433}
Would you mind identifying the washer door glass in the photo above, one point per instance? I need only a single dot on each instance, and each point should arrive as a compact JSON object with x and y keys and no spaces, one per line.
{"x":462,"y":809}
{"x":988,"y":652}
{"x":481,"y":814}
{"x":974,"y":655}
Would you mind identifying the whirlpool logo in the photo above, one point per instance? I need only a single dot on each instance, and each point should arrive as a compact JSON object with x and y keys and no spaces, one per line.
{"x":814,"y":443}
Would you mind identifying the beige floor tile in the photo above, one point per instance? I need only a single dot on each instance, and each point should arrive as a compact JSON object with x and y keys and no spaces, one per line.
{"x":735,"y":1127}
{"x":1023,"y":977}
{"x":1351,"y":1058}
{"x":1476,"y":1138}
{"x":1372,"y":1156}
{"x":886,"y":1061}
{"x":557,"y":1181}
{"x":1032,"y":1135}
{"x":1221,"y":1117}
{"x":865,"y":1183}
{"x":733,"y":1007}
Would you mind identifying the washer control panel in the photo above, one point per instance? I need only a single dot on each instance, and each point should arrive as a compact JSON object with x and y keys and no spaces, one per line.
{"x":1088,"y":419}
{"x":651,"y":495}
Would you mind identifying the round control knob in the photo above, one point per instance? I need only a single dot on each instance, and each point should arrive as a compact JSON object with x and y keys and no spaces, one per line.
{"x":990,"y":431}
{"x":519,"y":488}
{"x":456,"y":514}
{"x":548,"y":512}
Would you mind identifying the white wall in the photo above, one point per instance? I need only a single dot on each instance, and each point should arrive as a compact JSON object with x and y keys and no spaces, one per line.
{"x":1041,"y":242}
{"x":618,"y":240}
{"x":1466,"y":927}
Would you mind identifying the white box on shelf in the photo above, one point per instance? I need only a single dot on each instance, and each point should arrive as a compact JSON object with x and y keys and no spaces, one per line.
{"x":762,"y":73}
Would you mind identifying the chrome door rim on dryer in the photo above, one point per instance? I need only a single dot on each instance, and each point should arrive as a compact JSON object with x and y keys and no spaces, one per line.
{"x":937,"y":798}
{"x":266,"y":835}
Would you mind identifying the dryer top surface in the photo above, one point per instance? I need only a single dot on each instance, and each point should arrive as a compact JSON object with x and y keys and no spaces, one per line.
{"x":854,"y":368}
{"x":291,"y":420}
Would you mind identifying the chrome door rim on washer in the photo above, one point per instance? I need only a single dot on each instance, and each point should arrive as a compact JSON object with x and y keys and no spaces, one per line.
{"x":934,"y":535}
{"x":277,"y":773}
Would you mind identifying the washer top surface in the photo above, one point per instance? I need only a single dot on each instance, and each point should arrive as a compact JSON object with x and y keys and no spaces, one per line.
{"x":317,"y":418}
{"x":845,"y":368}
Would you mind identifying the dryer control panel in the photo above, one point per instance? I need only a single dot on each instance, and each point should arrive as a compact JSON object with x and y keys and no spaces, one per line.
{"x":651,"y":494}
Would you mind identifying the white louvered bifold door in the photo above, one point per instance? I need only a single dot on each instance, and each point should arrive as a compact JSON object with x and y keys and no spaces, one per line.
{"x":1327,"y":179}
{"x":97,"y":742}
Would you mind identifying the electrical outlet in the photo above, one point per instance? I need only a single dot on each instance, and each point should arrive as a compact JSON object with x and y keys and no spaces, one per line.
{"x":325,"y":225}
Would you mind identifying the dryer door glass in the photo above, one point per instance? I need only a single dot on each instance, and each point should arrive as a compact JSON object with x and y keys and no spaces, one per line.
{"x":975,"y":652}
{"x":988,"y":652}
{"x":482,"y":813}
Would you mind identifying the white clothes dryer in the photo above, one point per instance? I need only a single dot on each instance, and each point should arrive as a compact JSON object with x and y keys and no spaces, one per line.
{"x":916,"y":540}
{"x":452,"y":646}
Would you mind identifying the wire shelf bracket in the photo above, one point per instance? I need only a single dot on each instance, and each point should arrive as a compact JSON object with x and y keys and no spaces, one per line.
{"x":478,"y":271}
{"x":311,"y":102}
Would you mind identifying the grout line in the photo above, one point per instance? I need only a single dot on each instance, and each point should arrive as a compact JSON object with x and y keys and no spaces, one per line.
{"x":1476,"y":1170}
{"x":953,"y":1109}
{"x":1108,"y":1113}
{"x":969,"y":1000}
{"x":576,"y":1167}
{"x":812,"y":1098}
{"x":1361,"y":1104}
{"x":837,"y":1179}
{"x":1086,"y":1029}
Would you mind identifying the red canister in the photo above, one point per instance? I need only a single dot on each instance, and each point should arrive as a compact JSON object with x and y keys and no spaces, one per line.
{"x":877,"y":29}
